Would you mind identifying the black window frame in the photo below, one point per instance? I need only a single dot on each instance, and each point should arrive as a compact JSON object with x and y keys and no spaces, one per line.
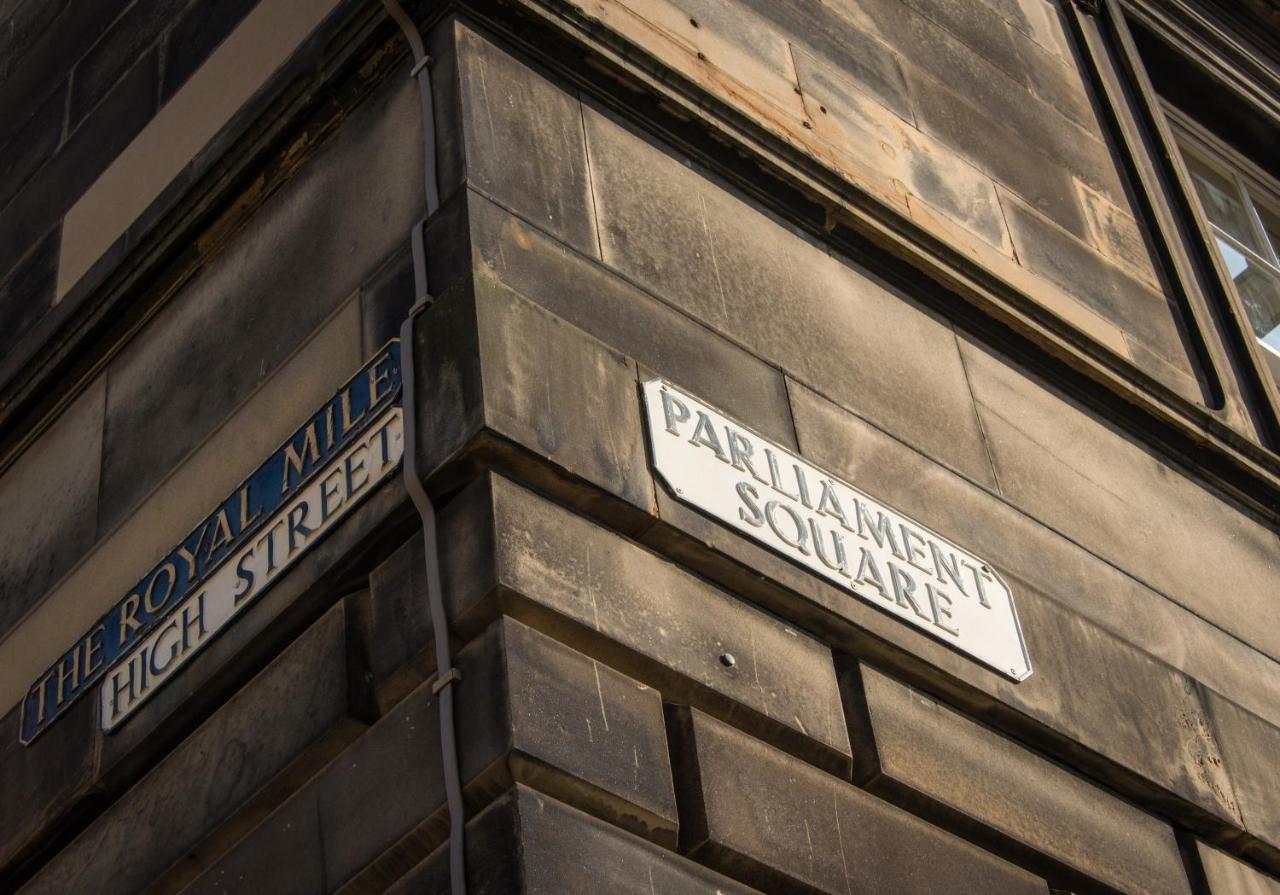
{"x":1257,"y":188}
{"x":1229,"y":353}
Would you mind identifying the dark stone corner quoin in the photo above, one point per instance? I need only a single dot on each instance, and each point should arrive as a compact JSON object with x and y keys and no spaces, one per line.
{"x":242,"y":515}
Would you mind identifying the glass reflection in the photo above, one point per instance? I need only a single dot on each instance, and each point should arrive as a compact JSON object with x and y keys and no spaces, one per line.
{"x":1259,"y":292}
{"x":1222,"y":202}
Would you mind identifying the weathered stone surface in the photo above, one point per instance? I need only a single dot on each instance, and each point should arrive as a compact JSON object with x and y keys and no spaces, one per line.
{"x":1115,"y":233}
{"x":26,"y":294}
{"x":705,"y":56}
{"x":446,"y":95}
{"x":492,"y":853}
{"x":766,"y":818}
{"x":50,"y":781}
{"x":449,"y":258}
{"x":569,"y":713}
{"x":1041,"y":21}
{"x":998,"y":149}
{"x":977,"y":25}
{"x":501,"y":376}
{"x":116,"y":120}
{"x":26,"y":21}
{"x":737,"y":25}
{"x":315,"y":240}
{"x":130,"y":36}
{"x":983,"y":78}
{"x":862,"y":130}
{"x":557,"y":721}
{"x":391,"y":623}
{"x":626,"y":318}
{"x":732,"y":267}
{"x":193,"y":35}
{"x":1016,"y":543}
{"x":1154,"y":729}
{"x":1250,"y":748}
{"x":1176,"y":377}
{"x":854,"y":52}
{"x":35,"y":48}
{"x":1227,"y":876}
{"x":1114,"y":497}
{"x":1131,"y":304}
{"x":1153,"y":755}
{"x":994,"y":791}
{"x":644,"y":615}
{"x":535,"y":714}
{"x":1006,"y":269}
{"x":1056,"y":81}
{"x":211,"y":775}
{"x":185,"y":124}
{"x":48,"y":504}
{"x":529,"y":843}
{"x":385,"y":300}
{"x":31,"y":144}
{"x":1044,"y":133}
{"x":524,"y":143}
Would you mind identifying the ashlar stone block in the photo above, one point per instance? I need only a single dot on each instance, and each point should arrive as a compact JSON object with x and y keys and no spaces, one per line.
{"x":1041,"y":21}
{"x":640,"y":613}
{"x":996,"y":147}
{"x":625,"y":317}
{"x":931,"y":759}
{"x":523,"y":141}
{"x":536,"y":712}
{"x":529,"y":843}
{"x":1251,"y":751}
{"x":507,"y":384}
{"x":48,"y":505}
{"x":222,"y":337}
{"x":720,"y":260}
{"x":26,"y":293}
{"x":1132,"y":304}
{"x":860,"y":128}
{"x":204,"y":478}
{"x":391,"y":626}
{"x":709,"y":56}
{"x":761,"y":816}
{"x":1018,"y":543}
{"x":857,"y":53}
{"x":210,"y":776}
{"x":55,"y":779}
{"x":1117,"y":498}
{"x":1226,"y":875}
{"x":994,"y":78}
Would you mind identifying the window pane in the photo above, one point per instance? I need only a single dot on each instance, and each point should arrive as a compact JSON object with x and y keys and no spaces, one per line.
{"x":1271,"y":224}
{"x":1259,"y":292}
{"x":1221,"y":201}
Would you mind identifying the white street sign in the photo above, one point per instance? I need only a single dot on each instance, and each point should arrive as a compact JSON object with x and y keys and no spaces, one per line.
{"x":835,"y":530}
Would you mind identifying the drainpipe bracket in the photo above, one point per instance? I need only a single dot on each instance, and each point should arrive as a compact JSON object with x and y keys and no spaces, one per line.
{"x":448,"y":679}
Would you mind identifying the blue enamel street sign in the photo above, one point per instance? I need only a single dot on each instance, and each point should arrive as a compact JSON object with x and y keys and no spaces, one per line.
{"x":281,"y":510}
